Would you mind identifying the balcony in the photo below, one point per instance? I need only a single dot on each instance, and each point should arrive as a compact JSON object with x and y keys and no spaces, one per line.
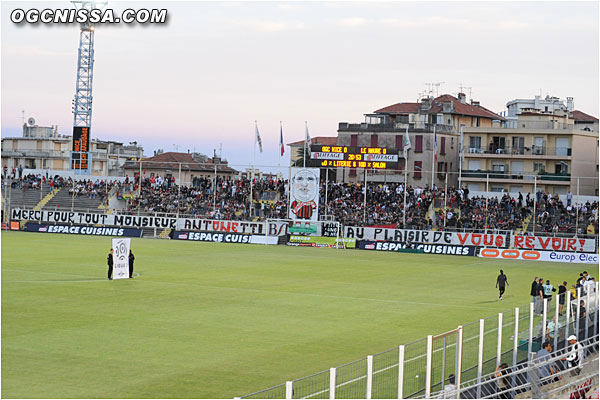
{"x":554,"y":125}
{"x":481,"y":176}
{"x":522,"y":151}
{"x":399,"y":127}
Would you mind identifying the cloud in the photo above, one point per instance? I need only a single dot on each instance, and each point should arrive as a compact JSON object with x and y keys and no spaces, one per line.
{"x":352,"y":22}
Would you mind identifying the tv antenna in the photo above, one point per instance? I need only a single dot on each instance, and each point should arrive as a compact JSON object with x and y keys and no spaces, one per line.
{"x":462,"y":89}
{"x":437,"y":87}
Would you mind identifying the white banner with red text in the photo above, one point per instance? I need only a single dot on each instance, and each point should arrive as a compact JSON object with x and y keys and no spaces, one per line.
{"x":426,"y":237}
{"x":553,"y":243}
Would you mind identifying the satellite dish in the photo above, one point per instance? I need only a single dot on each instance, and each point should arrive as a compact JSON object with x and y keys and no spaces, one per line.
{"x":31,"y":121}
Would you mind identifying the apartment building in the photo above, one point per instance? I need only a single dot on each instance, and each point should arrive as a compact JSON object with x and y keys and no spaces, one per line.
{"x":552,"y":151}
{"x":44,"y":149}
{"x":386,"y":127}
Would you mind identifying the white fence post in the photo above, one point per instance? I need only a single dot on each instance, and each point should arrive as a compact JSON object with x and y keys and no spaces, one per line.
{"x":499,"y":350}
{"x":544,"y":320}
{"x":578,"y":311}
{"x":332,"y":381}
{"x":480,"y":356}
{"x":428,"y":366}
{"x":369,"y":377}
{"x":530,"y":344}
{"x":556,"y":330}
{"x":289,"y":390}
{"x":400,"y":371}
{"x":588,"y":308}
{"x":515,"y":345}
{"x":568,"y":313}
{"x":458,"y":374}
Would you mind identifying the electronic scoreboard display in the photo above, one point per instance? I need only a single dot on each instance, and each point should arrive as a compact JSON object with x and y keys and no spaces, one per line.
{"x":353,"y":157}
{"x":81,"y":147}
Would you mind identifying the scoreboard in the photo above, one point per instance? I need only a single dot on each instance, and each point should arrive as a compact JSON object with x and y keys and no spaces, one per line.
{"x":353,"y":157}
{"x":81,"y":147}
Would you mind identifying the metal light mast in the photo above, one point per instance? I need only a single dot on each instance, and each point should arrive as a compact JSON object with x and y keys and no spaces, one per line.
{"x":82,"y":104}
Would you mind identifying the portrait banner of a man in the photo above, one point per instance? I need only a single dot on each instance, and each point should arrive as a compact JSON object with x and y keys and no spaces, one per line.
{"x":304,"y":197}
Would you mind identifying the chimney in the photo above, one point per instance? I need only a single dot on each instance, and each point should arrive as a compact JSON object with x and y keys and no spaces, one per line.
{"x":570,"y":104}
{"x":462,"y":98}
{"x":475,"y":103}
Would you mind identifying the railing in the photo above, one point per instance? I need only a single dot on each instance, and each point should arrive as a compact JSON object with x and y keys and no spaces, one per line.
{"x":511,"y":124}
{"x":529,"y":151}
{"x":545,"y":176}
{"x":424,"y":368}
{"x":396,"y":127}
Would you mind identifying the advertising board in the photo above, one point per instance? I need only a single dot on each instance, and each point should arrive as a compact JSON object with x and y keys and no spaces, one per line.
{"x":427,"y":248}
{"x":536,"y":255}
{"x":553,"y":243}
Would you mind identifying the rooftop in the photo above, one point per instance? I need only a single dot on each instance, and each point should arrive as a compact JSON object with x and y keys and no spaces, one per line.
{"x":324,"y":140}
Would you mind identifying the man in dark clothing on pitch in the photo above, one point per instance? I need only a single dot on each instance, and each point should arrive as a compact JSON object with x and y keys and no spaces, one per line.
{"x":533,"y":292}
{"x":110,"y":264}
{"x":562,"y":293}
{"x":131,"y":259}
{"x":501,"y":281}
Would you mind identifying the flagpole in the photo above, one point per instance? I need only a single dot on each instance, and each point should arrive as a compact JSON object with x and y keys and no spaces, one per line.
{"x":252,"y":167}
{"x":281,"y":146}
{"x":433,"y":157}
{"x":405,"y":151}
{"x":305,"y":140}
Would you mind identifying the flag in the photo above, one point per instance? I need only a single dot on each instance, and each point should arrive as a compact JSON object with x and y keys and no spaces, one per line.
{"x":281,"y":148}
{"x":307,"y":140}
{"x":435,"y":144}
{"x":258,"y":139}
{"x":406,"y":146}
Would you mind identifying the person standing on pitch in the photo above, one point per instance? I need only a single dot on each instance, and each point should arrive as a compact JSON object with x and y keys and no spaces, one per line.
{"x":131,"y":259}
{"x":500,"y":282}
{"x":533,"y":292}
{"x":109,"y":260}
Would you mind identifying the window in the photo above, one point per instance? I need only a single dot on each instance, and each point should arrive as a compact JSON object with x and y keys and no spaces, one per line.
{"x":399,"y":142}
{"x":442,"y":168}
{"x":498,"y":144}
{"x":518,"y":144}
{"x":353,"y":140}
{"x":516,"y":167}
{"x":474,"y":144}
{"x":539,"y":146}
{"x":498,"y":166}
{"x":516,"y":189}
{"x":442,"y":145}
{"x":478,"y":121}
{"x":539,"y":167}
{"x":417,"y":169}
{"x":561,"y":168}
{"x":418,"y":143}
{"x":474,"y":165}
{"x":562,"y":146}
{"x":374,"y":140}
{"x":497,"y":189}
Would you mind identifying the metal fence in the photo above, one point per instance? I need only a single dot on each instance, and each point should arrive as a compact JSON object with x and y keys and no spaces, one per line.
{"x":423,"y":368}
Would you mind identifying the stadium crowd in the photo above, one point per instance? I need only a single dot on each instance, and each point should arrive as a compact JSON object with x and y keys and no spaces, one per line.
{"x":345,"y":202}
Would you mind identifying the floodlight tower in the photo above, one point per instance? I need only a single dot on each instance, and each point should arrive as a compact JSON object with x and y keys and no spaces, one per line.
{"x":82,"y":103}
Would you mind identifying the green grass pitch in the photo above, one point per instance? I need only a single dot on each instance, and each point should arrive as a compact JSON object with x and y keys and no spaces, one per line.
{"x":210,"y":320}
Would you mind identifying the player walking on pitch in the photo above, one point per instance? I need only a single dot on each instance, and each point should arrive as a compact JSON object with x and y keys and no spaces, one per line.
{"x":500,"y":282}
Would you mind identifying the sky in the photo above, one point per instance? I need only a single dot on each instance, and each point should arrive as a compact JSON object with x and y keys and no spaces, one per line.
{"x":200,"y":81}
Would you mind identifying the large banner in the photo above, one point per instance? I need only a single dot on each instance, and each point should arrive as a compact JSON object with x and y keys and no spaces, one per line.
{"x":427,"y":237}
{"x":304,"y":195}
{"x":217,"y":237}
{"x":553,"y":243}
{"x":83,"y":230}
{"x":121,"y":248}
{"x":535,"y":255}
{"x":427,"y":248}
{"x":271,"y":228}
